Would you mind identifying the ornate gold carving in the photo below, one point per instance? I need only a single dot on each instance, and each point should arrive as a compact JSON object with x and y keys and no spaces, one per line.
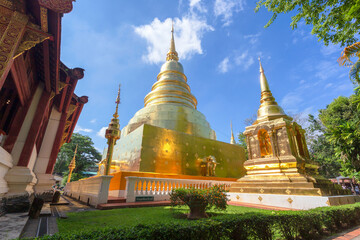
{"x":319,"y":192}
{"x":282,"y":151}
{"x":44,"y":19}
{"x":262,"y":190}
{"x":10,"y":39}
{"x":187,"y":165}
{"x":237,"y":197}
{"x":260,"y":198}
{"x":290,"y":200}
{"x":6,"y":3}
{"x":254,"y":155}
{"x":328,"y":202}
{"x":30,"y":39}
{"x":241,"y":190}
{"x":60,"y":6}
{"x":288,"y":191}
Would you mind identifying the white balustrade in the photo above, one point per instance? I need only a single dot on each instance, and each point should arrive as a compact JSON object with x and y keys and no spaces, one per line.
{"x":160,"y":188}
{"x":92,"y":191}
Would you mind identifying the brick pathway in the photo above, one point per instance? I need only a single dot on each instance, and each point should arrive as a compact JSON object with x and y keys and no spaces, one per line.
{"x":354,"y":235}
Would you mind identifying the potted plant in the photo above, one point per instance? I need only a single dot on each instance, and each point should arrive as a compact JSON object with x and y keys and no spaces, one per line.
{"x":200,"y":200}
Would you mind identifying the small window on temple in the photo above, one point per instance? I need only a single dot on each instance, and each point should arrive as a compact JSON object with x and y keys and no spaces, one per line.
{"x":265,"y":143}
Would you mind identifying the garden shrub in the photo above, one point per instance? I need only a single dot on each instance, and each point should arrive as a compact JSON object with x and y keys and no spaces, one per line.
{"x":200,"y":200}
{"x":252,"y":225}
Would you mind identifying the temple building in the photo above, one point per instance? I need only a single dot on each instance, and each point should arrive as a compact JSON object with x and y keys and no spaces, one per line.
{"x":279,"y":169}
{"x":169,"y":137}
{"x":38,"y":106}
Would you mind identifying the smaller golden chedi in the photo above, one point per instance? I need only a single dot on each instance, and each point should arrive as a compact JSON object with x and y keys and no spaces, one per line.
{"x":279,"y":160}
{"x":72,"y":165}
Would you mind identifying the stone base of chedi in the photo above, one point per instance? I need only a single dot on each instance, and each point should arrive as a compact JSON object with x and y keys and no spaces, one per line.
{"x":279,"y":169}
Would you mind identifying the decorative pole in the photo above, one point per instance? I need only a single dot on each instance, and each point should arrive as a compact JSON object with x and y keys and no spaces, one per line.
{"x":72,"y":164}
{"x":112,"y":135}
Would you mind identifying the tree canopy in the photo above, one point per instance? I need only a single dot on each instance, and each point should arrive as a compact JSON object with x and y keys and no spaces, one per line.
{"x":335,"y":21}
{"x":87,"y":156}
{"x":341,"y":119}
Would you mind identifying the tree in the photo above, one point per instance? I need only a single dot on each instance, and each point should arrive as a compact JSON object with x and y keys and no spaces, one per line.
{"x":333,"y":21}
{"x":321,"y":151}
{"x":341,"y":119}
{"x":87,"y":156}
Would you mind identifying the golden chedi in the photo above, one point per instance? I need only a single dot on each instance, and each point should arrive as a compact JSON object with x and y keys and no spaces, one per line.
{"x":278,"y":158}
{"x":169,"y":135}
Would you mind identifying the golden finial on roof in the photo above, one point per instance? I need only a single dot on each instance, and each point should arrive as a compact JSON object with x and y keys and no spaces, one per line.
{"x":172,"y":54}
{"x":263,"y":81}
{"x":232,"y":140}
{"x":269,"y":109}
{"x":116,"y":115}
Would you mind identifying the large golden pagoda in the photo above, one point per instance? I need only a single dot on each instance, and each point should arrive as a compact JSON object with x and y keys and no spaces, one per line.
{"x":279,"y":162}
{"x":169,"y":135}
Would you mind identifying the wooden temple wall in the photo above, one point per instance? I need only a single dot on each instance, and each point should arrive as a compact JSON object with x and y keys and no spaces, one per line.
{"x":38,"y":106}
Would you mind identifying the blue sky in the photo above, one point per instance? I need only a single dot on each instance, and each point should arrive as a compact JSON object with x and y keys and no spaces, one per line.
{"x":218,"y":41}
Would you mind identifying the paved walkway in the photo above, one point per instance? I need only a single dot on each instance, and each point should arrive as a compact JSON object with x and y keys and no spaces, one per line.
{"x":11,"y":225}
{"x":353,"y":233}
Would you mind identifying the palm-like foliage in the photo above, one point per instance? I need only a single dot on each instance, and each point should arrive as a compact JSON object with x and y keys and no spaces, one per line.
{"x":345,"y":60}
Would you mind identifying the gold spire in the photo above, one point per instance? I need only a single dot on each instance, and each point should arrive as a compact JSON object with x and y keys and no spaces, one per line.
{"x":116,"y":115}
{"x":269,"y":109}
{"x":172,"y":54}
{"x":171,"y":86}
{"x":263,"y":81}
{"x":72,"y":164}
{"x":232,"y":140}
{"x":112,"y":134}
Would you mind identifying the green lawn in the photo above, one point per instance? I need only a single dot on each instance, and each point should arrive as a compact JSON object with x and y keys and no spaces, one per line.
{"x":83,"y":221}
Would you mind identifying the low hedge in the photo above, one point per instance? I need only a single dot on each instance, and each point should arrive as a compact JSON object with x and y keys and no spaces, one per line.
{"x":311,"y":224}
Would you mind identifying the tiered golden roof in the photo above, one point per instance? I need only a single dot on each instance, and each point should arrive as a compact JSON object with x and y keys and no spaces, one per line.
{"x":269,"y":109}
{"x":170,"y":103}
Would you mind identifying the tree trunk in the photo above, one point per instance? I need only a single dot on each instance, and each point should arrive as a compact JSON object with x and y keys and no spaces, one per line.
{"x":197,"y":211}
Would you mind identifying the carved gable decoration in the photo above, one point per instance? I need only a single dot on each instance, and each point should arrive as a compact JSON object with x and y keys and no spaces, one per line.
{"x":60,"y":6}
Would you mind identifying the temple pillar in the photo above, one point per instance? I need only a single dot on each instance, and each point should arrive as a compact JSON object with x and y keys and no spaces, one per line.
{"x":46,"y":180}
{"x":21,"y":178}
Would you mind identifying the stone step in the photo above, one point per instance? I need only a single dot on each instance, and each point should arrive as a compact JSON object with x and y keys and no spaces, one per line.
{"x":116,"y":200}
{"x":107,"y":206}
{"x":45,"y":210}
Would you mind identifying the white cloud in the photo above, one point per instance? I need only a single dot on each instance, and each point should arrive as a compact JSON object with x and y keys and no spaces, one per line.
{"x":331,"y":49}
{"x":302,"y":81}
{"x":196,"y":5}
{"x":244,"y":60}
{"x":224,"y":65}
{"x":93,"y":120}
{"x":291,"y":101}
{"x":327,"y":69}
{"x":253,"y":38}
{"x":101,"y":132}
{"x":226,"y":8}
{"x":188,"y":33}
{"x":328,"y":85}
{"x":80,"y":129}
